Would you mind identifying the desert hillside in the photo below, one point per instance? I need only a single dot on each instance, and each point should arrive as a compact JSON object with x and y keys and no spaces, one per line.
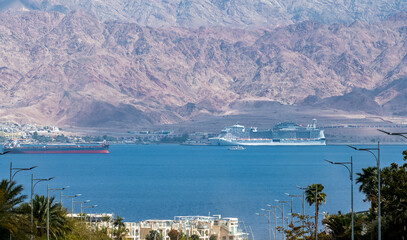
{"x":78,"y":70}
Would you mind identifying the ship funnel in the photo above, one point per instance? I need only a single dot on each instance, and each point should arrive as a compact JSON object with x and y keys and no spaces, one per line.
{"x":314,"y":123}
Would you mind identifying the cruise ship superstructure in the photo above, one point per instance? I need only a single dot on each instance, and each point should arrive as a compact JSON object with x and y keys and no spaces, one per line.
{"x":286,"y":133}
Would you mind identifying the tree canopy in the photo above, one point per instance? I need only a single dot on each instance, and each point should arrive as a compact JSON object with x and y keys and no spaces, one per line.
{"x":10,"y":217}
{"x":15,"y":215}
{"x":314,"y":195}
{"x":393,"y":206}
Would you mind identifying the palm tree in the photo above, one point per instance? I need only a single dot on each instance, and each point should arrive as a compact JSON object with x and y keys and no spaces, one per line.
{"x":314,"y":195}
{"x":59,"y":224}
{"x":368,"y":185}
{"x":339,"y":226}
{"x":194,"y":237}
{"x":154,"y":235}
{"x":173,"y":234}
{"x":11,"y":220}
{"x":120,"y":228}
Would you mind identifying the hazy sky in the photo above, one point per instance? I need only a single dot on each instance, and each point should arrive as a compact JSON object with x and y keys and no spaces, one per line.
{"x":27,"y":3}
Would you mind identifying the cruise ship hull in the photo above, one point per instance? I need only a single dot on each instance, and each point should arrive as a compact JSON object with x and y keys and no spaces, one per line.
{"x":266,"y":142}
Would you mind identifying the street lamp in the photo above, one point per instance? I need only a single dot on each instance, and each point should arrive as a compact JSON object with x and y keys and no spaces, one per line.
{"x":268,"y":211}
{"x":286,"y":219}
{"x":282,"y":211}
{"x":351,"y":186}
{"x":291,"y":205}
{"x":302,"y":201}
{"x":59,"y":189}
{"x":378,"y":180}
{"x":268,"y":218}
{"x":393,"y":134}
{"x":82,"y":202}
{"x":90,"y":214}
{"x":53,"y":190}
{"x":72,"y":197}
{"x":302,"y":204}
{"x":275,"y":219}
{"x":37,"y":180}
{"x":316,"y":203}
{"x":18,"y":170}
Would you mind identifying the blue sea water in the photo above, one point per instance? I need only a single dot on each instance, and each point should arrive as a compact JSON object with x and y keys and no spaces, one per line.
{"x":140,"y":182}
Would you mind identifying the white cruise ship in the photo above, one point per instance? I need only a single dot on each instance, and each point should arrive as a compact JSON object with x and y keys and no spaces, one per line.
{"x":286,"y":133}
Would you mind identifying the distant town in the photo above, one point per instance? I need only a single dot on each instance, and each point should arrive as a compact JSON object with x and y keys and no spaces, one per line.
{"x":32,"y":133}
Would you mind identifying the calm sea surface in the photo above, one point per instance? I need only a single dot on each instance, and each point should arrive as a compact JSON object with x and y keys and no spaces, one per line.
{"x":140,"y":182}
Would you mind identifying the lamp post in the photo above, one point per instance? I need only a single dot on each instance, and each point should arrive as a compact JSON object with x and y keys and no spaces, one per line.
{"x":60,"y":189}
{"x":90,"y":214}
{"x":302,"y":201}
{"x":268,"y":218}
{"x":291,"y":204}
{"x":113,"y":228}
{"x":72,"y":197}
{"x":282,"y":211}
{"x":393,"y":134}
{"x":53,"y":190}
{"x":379,"y":237}
{"x":316,"y":203}
{"x":32,"y":193}
{"x":82,"y":202}
{"x":268,"y":211}
{"x":275,"y":220}
{"x":302,"y":204}
{"x":18,"y":170}
{"x":351,"y":187}
{"x":286,"y":219}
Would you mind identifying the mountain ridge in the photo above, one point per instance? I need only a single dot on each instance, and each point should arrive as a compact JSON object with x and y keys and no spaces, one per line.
{"x":227,"y":13}
{"x":76,"y":70}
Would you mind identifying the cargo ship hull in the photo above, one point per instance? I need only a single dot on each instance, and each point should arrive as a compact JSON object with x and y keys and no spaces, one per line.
{"x":57,"y":149}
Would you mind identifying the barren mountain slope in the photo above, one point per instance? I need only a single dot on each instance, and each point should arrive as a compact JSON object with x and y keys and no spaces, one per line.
{"x":231,"y":13}
{"x":75,"y":70}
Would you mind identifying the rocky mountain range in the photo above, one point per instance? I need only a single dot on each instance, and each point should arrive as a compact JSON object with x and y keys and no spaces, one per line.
{"x":227,"y":13}
{"x":75,"y":69}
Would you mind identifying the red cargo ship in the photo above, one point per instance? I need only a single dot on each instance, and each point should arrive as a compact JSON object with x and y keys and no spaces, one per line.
{"x":56,"y":148}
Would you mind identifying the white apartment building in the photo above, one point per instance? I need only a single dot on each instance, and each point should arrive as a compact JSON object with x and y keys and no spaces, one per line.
{"x":203,"y":226}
